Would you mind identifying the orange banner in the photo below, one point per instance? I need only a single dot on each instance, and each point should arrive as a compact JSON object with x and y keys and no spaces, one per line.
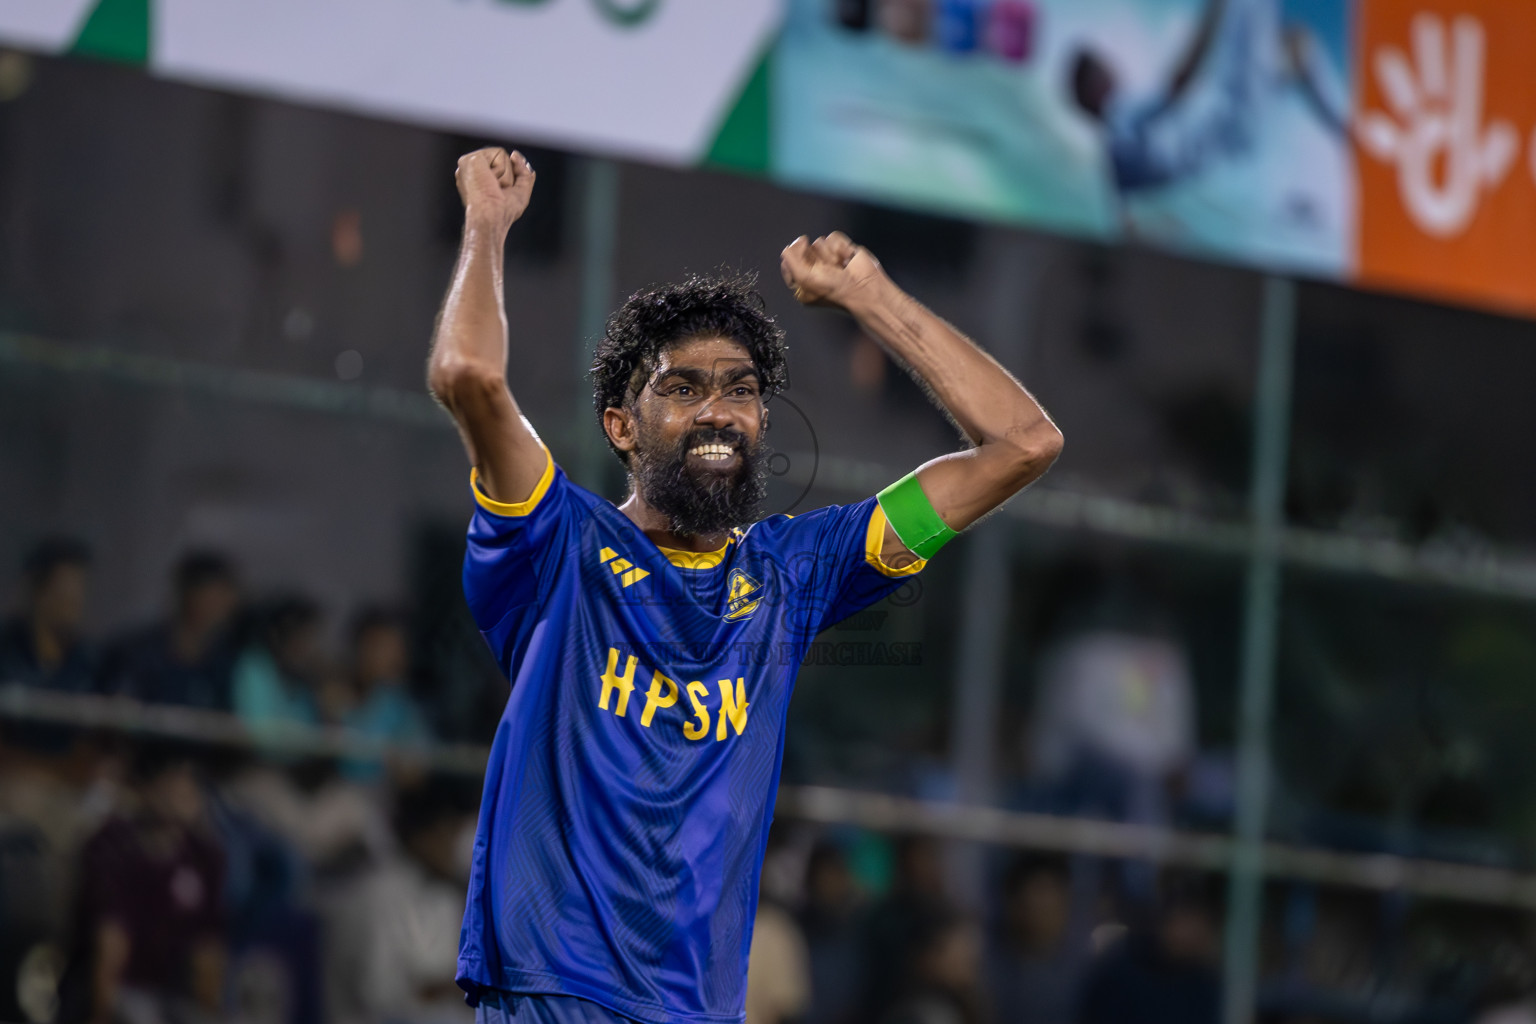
{"x":1445,"y":140}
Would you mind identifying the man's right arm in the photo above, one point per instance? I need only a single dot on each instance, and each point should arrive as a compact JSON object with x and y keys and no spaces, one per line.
{"x":467,"y":370}
{"x":1199,"y":48}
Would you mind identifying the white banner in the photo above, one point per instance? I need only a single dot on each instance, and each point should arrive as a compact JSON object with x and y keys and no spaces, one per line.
{"x":651,"y":79}
{"x":43,"y":24}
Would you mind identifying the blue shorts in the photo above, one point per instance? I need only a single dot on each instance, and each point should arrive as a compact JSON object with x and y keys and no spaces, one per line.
{"x":497,"y":1007}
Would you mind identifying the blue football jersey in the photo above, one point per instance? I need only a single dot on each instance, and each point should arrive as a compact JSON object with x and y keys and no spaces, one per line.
{"x":632,"y":778}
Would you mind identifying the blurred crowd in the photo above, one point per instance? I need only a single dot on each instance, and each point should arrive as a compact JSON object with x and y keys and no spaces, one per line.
{"x":145,"y":880}
{"x":1079,"y":940}
{"x":157,"y":881}
{"x":1053,"y":945}
{"x":266,"y":663}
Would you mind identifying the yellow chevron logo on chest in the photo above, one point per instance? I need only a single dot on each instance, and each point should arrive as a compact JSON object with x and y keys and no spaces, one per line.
{"x":628,"y":573}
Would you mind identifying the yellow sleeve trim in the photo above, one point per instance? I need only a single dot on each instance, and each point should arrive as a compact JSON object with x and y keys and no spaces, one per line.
{"x":521,"y":508}
{"x":874,"y":543}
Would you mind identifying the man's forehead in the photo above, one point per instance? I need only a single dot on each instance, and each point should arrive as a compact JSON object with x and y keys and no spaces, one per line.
{"x":705,"y":355}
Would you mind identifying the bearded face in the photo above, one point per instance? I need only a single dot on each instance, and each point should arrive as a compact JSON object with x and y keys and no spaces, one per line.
{"x":693,"y":437}
{"x":708,"y":480}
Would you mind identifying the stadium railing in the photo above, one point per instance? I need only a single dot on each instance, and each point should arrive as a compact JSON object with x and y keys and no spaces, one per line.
{"x":878,"y":812}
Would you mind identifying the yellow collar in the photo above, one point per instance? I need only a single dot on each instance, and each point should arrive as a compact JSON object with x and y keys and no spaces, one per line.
{"x":698,"y":559}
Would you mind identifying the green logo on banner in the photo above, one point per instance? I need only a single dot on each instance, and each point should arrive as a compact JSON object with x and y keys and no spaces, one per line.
{"x":624,"y":13}
{"x":116,"y":30}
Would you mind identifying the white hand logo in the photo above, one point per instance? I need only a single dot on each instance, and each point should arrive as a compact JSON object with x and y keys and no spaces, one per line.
{"x":1439,"y":119}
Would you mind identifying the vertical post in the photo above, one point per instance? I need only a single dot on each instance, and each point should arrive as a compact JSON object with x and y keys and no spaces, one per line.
{"x":979,"y":665}
{"x":1012,"y":264}
{"x":1261,"y":624}
{"x":599,"y":229}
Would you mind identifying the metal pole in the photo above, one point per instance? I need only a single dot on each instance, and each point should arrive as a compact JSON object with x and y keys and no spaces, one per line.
{"x":1006,"y":294}
{"x":978,"y":686}
{"x":599,"y":229}
{"x":979,"y":667}
{"x":1261,"y":623}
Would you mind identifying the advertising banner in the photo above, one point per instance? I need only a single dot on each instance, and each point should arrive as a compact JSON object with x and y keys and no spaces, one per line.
{"x":645,"y":79}
{"x":1390,"y":143}
{"x":649,"y":79}
{"x":1218,"y":127}
{"x":1446,"y":151}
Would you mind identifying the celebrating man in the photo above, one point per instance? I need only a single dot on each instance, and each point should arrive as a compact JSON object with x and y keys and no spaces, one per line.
{"x":653,"y":646}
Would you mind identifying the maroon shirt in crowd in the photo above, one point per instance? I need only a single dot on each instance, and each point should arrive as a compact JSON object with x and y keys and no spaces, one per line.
{"x":164,"y":885}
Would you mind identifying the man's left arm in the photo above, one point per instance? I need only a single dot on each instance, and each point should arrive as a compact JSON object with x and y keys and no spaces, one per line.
{"x":1013,"y":440}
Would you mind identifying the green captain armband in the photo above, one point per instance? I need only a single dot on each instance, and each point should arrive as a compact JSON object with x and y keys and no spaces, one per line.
{"x":911,"y":515}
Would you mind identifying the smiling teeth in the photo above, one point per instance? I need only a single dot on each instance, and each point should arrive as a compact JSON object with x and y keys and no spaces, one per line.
{"x":713,"y":452}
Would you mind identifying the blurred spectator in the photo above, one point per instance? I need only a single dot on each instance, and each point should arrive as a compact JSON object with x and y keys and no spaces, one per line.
{"x":273,"y":936}
{"x":942,"y":972}
{"x":894,"y":924}
{"x":41,"y":645}
{"x":29,"y":884}
{"x":335,"y":824}
{"x":1037,"y":966}
{"x":381,"y":707}
{"x":186,"y":659}
{"x":150,"y":917}
{"x":275,"y":679}
{"x":778,"y":966}
{"x":1114,"y":724}
{"x":779,"y":970}
{"x":830,"y":923}
{"x":1116,"y":720}
{"x":1165,"y":974}
{"x":393,"y":942}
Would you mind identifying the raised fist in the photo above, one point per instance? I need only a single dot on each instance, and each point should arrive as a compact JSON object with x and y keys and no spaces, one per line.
{"x":494,"y":185}
{"x":830,"y":271}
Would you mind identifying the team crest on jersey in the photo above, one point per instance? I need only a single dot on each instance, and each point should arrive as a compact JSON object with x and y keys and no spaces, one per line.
{"x":743,"y":595}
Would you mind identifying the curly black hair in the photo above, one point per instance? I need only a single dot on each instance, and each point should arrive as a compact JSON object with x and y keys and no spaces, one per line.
{"x":723,"y":306}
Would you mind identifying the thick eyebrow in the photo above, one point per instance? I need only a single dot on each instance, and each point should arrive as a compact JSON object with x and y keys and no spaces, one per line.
{"x":741,"y":373}
{"x":699,"y":376}
{"x":685,"y":374}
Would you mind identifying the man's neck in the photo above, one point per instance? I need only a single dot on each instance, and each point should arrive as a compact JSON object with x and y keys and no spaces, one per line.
{"x":658,"y":528}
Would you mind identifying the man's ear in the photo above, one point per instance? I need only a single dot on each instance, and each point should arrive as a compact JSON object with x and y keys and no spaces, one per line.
{"x":619,"y":425}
